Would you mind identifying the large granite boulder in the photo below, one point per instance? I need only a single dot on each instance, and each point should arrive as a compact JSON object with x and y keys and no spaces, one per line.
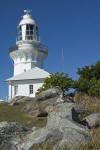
{"x":50,"y":93}
{"x":10,"y":135}
{"x":93,"y":120}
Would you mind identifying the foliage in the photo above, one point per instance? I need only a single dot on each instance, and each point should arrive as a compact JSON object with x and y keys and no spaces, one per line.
{"x":82,"y":85}
{"x":59,"y":79}
{"x":89,"y":80}
{"x":94,"y":87}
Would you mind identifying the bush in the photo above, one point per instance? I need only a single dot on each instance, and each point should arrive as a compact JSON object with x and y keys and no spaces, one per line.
{"x":89,"y":80}
{"x":59,"y":79}
{"x":81,"y":85}
{"x":94,"y":87}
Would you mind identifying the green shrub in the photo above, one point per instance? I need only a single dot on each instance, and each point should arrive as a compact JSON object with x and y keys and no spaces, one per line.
{"x":82,"y":85}
{"x":94,"y":87}
{"x":59,"y":79}
{"x":89,"y":80}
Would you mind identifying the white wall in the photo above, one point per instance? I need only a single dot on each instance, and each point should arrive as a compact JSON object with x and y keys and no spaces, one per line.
{"x":27,"y":59}
{"x":23,"y":88}
{"x":25,"y":66}
{"x":21,"y":67}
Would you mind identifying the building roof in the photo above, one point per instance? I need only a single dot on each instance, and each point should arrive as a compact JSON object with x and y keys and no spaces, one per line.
{"x":33,"y":74}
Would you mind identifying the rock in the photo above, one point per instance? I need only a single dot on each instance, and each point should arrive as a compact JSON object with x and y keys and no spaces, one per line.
{"x":10,"y":133}
{"x":40,"y":136}
{"x":68,"y":99}
{"x":64,"y":111}
{"x":19,"y":99}
{"x":47,"y":101}
{"x":72,"y":138}
{"x":50,"y":93}
{"x":79,"y":108}
{"x":93,"y":120}
{"x":30,"y":106}
{"x":61,"y":129}
{"x":11,"y":128}
{"x":63,"y":126}
{"x":38,"y":113}
{"x":7,"y":146}
{"x":50,"y":108}
{"x":51,"y":97}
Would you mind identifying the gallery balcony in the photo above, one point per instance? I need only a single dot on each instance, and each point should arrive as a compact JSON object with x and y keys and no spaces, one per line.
{"x":13,"y":48}
{"x":40,"y":48}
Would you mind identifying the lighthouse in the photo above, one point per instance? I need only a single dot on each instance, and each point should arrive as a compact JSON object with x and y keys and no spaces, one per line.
{"x":28,"y":59}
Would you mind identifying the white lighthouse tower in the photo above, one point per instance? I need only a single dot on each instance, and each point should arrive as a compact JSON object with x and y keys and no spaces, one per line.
{"x":28,"y":56}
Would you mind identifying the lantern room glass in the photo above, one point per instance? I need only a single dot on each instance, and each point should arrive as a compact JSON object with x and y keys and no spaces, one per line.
{"x":29,"y":32}
{"x":19,"y":33}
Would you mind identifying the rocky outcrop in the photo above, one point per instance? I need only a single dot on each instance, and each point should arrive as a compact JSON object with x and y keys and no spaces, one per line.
{"x":46,"y":102}
{"x":62,"y":129}
{"x":63,"y":125}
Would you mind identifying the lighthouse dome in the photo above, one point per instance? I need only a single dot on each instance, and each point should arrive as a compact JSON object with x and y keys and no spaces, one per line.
{"x":27,"y":19}
{"x":27,"y":29}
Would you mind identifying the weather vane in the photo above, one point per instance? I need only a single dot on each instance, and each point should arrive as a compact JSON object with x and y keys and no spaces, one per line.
{"x":27,"y":11}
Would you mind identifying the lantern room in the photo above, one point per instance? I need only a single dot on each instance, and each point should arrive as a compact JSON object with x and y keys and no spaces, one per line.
{"x":27,"y":28}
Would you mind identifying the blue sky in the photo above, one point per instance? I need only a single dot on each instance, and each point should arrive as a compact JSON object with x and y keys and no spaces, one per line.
{"x":73,"y":25}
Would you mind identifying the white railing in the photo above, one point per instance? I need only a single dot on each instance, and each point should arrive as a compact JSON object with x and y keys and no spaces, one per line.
{"x":41,"y":48}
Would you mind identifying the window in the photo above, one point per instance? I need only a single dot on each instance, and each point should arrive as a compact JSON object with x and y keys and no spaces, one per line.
{"x":20,"y":33}
{"x":31,"y":27}
{"x":31,"y":89}
{"x":29,"y":32}
{"x":20,"y":28}
{"x":15,"y":90}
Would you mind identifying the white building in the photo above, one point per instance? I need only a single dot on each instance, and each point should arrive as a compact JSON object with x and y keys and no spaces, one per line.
{"x":28,"y":56}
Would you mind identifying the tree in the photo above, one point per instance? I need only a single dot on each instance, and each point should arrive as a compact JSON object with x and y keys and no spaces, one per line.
{"x":97,"y":70}
{"x":59,"y":79}
{"x":94,"y":87}
{"x":89,"y":80}
{"x":82,"y":85}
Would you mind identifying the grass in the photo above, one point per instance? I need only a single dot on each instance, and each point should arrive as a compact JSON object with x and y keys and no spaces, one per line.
{"x":13,"y":113}
{"x":91,"y":103}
